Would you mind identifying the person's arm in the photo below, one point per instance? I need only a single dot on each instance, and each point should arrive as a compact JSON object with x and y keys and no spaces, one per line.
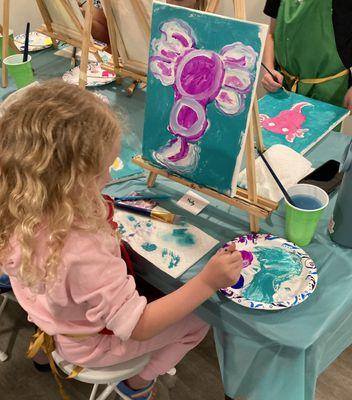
{"x":222,"y":270}
{"x":348,"y":99}
{"x":269,"y":60}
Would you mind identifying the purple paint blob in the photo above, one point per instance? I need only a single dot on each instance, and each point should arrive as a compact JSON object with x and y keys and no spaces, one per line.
{"x":186,"y":117}
{"x":198,"y":75}
{"x":247,"y":258}
{"x":181,"y":39}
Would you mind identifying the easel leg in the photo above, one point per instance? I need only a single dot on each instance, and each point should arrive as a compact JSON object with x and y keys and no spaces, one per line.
{"x":251,"y":176}
{"x":85,"y":44}
{"x":257,"y":128}
{"x":151,"y":179}
{"x":5,"y":40}
{"x":133,"y":86}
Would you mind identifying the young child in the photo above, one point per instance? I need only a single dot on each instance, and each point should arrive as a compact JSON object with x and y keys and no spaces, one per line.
{"x":56,"y":144}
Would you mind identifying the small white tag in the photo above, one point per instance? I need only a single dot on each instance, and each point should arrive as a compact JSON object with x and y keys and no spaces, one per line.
{"x":192,"y":202}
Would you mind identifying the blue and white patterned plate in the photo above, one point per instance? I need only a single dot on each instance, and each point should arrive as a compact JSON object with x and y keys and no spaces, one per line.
{"x":96,"y":75}
{"x":276,"y":273}
{"x":37,"y":41}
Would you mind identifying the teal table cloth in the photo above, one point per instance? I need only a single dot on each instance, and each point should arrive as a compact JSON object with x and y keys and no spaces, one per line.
{"x":263,"y":355}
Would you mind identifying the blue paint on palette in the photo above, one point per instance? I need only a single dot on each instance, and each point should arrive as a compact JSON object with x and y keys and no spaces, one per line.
{"x":149,"y":247}
{"x":200,"y":88}
{"x":181,"y":237}
{"x":296,"y":121}
{"x":276,"y":267}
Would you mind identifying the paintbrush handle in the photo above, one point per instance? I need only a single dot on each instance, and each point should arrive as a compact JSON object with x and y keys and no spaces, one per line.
{"x":163,"y":216}
{"x":26,"y":43}
{"x":143,"y":197}
{"x":137,"y":210}
{"x":277,"y":180}
{"x":272,"y":75}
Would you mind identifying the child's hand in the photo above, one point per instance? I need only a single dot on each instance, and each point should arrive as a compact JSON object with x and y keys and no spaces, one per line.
{"x":269,"y":83}
{"x":348,"y":99}
{"x":223,"y":269}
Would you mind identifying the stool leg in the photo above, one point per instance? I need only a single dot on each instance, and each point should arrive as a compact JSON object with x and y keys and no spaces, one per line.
{"x":94,"y":392}
{"x":108,"y":390}
{"x":3,"y":355}
{"x":3,"y":304}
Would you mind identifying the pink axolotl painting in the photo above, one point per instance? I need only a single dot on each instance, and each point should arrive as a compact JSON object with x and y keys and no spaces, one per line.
{"x":287,"y":122}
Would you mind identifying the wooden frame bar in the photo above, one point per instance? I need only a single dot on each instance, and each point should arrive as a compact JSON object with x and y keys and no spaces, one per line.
{"x":5,"y":40}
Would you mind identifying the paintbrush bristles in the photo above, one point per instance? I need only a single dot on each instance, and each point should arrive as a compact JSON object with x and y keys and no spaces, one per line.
{"x":167,"y":217}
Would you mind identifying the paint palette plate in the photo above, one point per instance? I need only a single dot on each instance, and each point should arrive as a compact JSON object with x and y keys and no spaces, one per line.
{"x":96,"y":75}
{"x":37,"y":41}
{"x":276,"y":273}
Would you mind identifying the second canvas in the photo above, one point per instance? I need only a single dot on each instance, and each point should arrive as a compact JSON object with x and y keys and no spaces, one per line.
{"x":203,"y":71}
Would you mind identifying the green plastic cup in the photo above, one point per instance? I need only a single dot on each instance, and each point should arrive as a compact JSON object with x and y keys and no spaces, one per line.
{"x":10,"y":52}
{"x":20,"y":71}
{"x":301,"y":224}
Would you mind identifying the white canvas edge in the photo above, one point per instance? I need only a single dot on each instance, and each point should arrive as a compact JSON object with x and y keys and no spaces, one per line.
{"x":262,"y":36}
{"x":329,"y":130}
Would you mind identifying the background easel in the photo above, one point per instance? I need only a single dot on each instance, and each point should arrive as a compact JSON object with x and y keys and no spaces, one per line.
{"x":246,"y":200}
{"x":122,"y":64}
{"x":72,"y":28}
{"x":6,"y":41}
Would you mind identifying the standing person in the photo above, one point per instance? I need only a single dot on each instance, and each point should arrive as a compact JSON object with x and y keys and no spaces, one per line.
{"x":309,"y":48}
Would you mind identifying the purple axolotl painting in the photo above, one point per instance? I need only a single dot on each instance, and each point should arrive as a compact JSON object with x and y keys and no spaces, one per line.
{"x":198,"y":77}
{"x":287,"y":122}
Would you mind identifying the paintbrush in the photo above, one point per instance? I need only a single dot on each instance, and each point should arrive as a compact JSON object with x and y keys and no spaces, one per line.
{"x":145,"y":196}
{"x":26,"y":43}
{"x":273,"y":76}
{"x":277,"y":180}
{"x":163,"y":216}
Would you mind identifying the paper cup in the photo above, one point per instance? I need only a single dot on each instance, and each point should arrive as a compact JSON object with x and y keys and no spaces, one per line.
{"x":20,"y":71}
{"x":10,"y":52}
{"x":301,"y":224}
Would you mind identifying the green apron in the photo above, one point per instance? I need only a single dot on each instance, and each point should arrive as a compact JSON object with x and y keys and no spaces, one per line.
{"x":305,"y":47}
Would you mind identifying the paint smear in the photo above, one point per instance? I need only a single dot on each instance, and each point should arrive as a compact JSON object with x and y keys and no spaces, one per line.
{"x":121,"y":229}
{"x":276,"y":267}
{"x":172,"y":258}
{"x":131,"y":218}
{"x":149,"y":246}
{"x":181,"y":237}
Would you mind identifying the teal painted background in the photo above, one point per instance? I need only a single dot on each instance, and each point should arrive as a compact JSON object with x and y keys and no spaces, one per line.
{"x":221,"y":144}
{"x":319,"y":119}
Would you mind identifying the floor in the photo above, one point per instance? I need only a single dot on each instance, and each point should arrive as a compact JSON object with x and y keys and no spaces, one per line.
{"x":198,"y":376}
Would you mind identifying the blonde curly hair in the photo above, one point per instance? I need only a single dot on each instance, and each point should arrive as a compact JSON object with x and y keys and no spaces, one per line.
{"x":54,"y":142}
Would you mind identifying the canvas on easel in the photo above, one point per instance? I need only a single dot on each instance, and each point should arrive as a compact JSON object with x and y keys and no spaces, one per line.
{"x":129,"y":47}
{"x":203,"y":71}
{"x":64,"y":21}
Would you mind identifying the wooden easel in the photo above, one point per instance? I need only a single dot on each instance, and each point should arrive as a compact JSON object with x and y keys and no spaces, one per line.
{"x":6,"y":41}
{"x":246,"y":200}
{"x":73,"y":32}
{"x":123,"y":65}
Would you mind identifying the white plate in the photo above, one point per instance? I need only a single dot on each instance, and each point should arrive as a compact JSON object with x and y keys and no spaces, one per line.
{"x":96,"y":75}
{"x":277,"y":274}
{"x":37,"y":41}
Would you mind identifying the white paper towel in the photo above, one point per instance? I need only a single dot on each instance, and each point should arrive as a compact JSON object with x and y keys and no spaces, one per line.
{"x":288,"y":165}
